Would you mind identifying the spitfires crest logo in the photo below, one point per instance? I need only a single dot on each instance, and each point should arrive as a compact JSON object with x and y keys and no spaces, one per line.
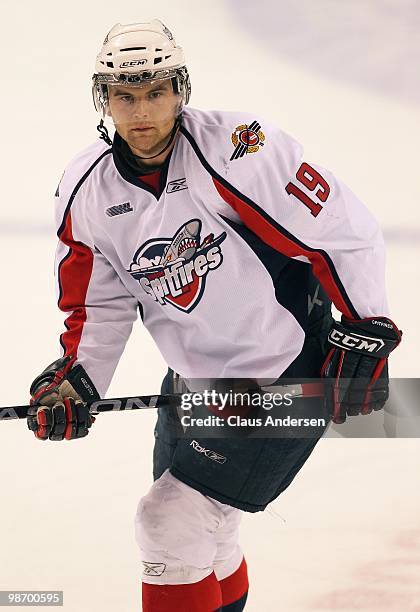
{"x":247,"y":139}
{"x":174,"y":270}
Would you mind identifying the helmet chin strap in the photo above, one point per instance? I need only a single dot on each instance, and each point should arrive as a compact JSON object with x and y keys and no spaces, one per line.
{"x":105,"y":136}
{"x":104,"y":133}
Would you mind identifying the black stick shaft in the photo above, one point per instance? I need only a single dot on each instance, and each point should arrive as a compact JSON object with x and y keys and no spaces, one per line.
{"x":103,"y":405}
{"x":142,"y":402}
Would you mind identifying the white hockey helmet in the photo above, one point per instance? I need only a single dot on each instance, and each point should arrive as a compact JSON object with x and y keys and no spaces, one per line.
{"x":139,"y":53}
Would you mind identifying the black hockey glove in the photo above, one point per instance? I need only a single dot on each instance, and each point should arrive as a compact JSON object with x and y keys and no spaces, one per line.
{"x":57,"y":397}
{"x":357,"y":363}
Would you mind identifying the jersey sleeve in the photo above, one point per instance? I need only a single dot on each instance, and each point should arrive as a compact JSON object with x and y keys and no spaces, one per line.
{"x":305,"y":212}
{"x":99,"y":309}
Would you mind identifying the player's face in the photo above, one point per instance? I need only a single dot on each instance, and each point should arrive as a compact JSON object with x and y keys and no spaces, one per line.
{"x":144,"y":116}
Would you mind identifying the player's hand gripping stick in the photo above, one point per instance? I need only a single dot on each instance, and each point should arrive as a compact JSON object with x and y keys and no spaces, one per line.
{"x":58,"y":395}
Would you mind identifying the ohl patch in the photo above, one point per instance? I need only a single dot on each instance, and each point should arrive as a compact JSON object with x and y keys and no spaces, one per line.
{"x":247,"y":139}
{"x":174,"y":270}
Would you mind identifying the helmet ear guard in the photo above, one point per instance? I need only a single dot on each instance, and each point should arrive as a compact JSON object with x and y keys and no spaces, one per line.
{"x":100,"y":97}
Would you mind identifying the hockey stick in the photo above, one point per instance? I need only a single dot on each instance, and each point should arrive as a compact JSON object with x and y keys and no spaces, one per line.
{"x":159,"y":401}
{"x":103,"y":405}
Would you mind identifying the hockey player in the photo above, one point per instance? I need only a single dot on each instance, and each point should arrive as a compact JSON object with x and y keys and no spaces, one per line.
{"x":217,"y":230}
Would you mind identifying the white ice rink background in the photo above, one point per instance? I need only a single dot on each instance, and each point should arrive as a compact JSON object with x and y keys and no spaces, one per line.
{"x":343,"y":78}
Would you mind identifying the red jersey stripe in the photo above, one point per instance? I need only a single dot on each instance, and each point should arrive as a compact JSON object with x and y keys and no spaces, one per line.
{"x":74,"y":274}
{"x":272,"y":236}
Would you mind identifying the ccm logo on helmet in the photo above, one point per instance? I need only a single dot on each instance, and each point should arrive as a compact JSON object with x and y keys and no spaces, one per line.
{"x":131,"y":63}
{"x":355,"y":342}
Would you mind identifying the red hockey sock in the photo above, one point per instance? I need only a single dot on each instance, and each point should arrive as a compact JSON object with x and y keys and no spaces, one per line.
{"x":203,"y":596}
{"x":235,"y":586}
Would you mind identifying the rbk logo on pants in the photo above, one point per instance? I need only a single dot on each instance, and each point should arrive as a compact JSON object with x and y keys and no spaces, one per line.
{"x":210,"y":454}
{"x":174,"y":270}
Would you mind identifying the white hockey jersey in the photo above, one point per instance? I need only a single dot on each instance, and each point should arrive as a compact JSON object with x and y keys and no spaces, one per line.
{"x":227,"y":267}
